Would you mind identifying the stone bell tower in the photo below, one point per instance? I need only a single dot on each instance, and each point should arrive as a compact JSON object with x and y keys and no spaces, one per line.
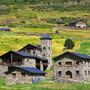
{"x":46,"y":46}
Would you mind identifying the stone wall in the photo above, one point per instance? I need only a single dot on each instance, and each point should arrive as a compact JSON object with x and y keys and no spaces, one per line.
{"x":27,"y":62}
{"x":77,"y":71}
{"x":3,"y":69}
{"x":22,"y":79}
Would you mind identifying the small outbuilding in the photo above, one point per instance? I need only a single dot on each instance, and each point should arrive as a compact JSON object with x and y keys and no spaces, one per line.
{"x":72,"y":67}
{"x":78,"y":24}
{"x":24,"y":75}
{"x":5,"y":29}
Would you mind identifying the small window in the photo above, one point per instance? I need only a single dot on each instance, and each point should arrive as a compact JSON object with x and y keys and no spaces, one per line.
{"x":77,"y":72}
{"x":49,"y":48}
{"x":77,"y":63}
{"x":59,"y":63}
{"x":85,"y":72}
{"x":59,"y":73}
{"x":14,"y":75}
{"x":23,"y":74}
{"x":69,"y":63}
{"x":43,"y":54}
{"x":44,"y":48}
{"x":88,"y":72}
{"x":33,"y":52}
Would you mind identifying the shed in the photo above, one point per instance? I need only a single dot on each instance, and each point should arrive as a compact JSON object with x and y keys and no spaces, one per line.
{"x":24,"y":75}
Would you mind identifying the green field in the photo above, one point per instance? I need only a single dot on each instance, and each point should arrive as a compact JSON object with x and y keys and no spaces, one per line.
{"x":45,"y":85}
{"x":20,"y":37}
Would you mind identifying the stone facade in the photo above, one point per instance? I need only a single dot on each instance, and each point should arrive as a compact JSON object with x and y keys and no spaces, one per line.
{"x":17,"y":77}
{"x":29,"y":62}
{"x":46,"y":46}
{"x":3,"y":69}
{"x":72,"y":69}
{"x":81,"y":24}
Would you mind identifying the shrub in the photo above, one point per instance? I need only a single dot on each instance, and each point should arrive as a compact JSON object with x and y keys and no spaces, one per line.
{"x":69,"y":44}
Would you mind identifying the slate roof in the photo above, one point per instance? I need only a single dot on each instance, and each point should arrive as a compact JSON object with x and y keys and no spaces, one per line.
{"x":72,"y":54}
{"x":31,"y":46}
{"x":27,"y":70}
{"x":5,"y":29}
{"x":23,"y":54}
{"x":46,"y":36}
{"x":31,"y":70}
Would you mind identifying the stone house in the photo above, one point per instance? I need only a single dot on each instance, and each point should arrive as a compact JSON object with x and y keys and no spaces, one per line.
{"x":81,"y":24}
{"x":72,"y":67}
{"x":24,"y":75}
{"x":13,"y":58}
{"x":78,"y":24}
{"x":36,"y":56}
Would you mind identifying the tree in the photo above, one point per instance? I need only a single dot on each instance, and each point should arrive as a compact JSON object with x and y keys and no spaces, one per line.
{"x":69,"y":44}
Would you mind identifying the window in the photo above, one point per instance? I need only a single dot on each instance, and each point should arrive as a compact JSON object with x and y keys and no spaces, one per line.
{"x":14,"y":75}
{"x":59,"y":73}
{"x":48,"y":48}
{"x":44,"y":48}
{"x":43,"y":54}
{"x":33,"y":52}
{"x":88,"y":72}
{"x":77,"y":63}
{"x":59,"y":63}
{"x":68,"y":63}
{"x":23,"y":74}
{"x":77,"y":72}
{"x":85,"y":72}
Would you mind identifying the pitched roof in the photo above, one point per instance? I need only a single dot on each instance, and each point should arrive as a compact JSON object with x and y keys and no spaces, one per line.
{"x":24,"y":54}
{"x":5,"y":29}
{"x":27,"y":70}
{"x":73,"y":54}
{"x":30,"y":46}
{"x":31,"y":70}
{"x":46,"y":36}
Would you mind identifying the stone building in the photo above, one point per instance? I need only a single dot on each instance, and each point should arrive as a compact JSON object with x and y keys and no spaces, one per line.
{"x":46,"y":46}
{"x":30,"y":56}
{"x":81,"y":24}
{"x":72,"y":67}
{"x":78,"y":24}
{"x":24,"y":75}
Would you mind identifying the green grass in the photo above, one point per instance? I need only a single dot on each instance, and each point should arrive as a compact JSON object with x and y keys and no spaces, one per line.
{"x":15,"y":41}
{"x":84,"y":47}
{"x":44,"y":86}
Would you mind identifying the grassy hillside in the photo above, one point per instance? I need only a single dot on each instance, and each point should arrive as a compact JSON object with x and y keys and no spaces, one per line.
{"x":19,"y":37}
{"x":42,"y":13}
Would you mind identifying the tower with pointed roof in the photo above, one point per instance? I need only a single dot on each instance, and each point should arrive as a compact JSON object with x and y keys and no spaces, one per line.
{"x":46,"y":46}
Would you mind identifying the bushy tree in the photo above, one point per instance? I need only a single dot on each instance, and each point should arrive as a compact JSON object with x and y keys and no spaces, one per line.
{"x":69,"y":44}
